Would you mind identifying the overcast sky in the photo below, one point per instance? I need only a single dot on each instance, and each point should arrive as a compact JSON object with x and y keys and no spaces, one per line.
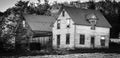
{"x":5,"y":4}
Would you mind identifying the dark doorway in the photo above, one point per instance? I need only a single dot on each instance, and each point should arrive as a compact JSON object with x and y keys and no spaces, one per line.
{"x":92,"y":41}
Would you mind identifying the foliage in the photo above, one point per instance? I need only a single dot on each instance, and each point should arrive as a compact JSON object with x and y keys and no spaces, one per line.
{"x":26,"y":7}
{"x":110,"y":9}
{"x":13,"y":30}
{"x":12,"y":27}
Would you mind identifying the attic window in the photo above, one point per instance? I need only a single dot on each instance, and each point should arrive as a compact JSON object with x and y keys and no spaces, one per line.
{"x":63,"y":13}
{"x":58,"y":24}
{"x":93,"y":24}
{"x":68,"y":22}
{"x":92,"y":19}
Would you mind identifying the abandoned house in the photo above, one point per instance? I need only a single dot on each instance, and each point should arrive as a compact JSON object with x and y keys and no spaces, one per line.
{"x":80,"y":28}
{"x":41,"y":27}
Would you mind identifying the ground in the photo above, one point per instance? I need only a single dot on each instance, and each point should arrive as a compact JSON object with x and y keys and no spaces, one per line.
{"x":83,"y":55}
{"x":112,"y":52}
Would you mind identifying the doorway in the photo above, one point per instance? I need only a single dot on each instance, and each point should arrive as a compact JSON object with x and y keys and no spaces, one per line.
{"x":93,"y":41}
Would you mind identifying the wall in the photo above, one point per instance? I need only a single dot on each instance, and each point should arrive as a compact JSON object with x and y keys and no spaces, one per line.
{"x":75,"y":31}
{"x":86,"y":30}
{"x":44,"y":41}
{"x":63,"y":31}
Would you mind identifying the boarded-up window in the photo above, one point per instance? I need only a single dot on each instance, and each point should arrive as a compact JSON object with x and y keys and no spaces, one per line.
{"x":58,"y":24}
{"x":67,"y":38}
{"x":82,"y":39}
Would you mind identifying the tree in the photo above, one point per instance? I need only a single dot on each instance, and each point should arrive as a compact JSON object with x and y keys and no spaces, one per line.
{"x":22,"y":6}
{"x":1,"y":13}
{"x":91,"y":5}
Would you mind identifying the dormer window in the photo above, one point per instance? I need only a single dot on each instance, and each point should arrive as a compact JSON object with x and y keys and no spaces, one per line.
{"x":92,"y":19}
{"x":68,"y":22}
{"x":58,"y":24}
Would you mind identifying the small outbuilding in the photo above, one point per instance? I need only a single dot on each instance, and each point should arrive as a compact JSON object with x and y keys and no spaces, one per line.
{"x":41,"y":27}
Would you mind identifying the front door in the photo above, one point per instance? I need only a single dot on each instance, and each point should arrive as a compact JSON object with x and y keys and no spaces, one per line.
{"x":58,"y":41}
{"x":93,"y":41}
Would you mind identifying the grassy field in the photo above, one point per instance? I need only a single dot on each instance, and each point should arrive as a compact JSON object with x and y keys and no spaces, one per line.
{"x":83,"y":55}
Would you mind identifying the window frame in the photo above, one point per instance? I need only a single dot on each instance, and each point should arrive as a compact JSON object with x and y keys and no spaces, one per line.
{"x":58,"y":42}
{"x":68,"y":22}
{"x":82,"y":39}
{"x":68,"y":38}
{"x":102,"y":41}
{"x":63,"y":13}
{"x":58,"y":24}
{"x":93,"y":24}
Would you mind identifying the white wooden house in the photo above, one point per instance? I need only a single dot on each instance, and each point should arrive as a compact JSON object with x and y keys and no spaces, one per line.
{"x":80,"y":28}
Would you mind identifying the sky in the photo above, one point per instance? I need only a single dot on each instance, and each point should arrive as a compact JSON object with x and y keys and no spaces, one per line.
{"x":5,"y":4}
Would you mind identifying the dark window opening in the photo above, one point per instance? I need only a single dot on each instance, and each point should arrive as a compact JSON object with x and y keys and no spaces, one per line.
{"x":93,"y":24}
{"x":63,"y":13}
{"x":68,"y":22}
{"x":92,"y":41}
{"x":102,"y":42}
{"x":58,"y":39}
{"x":82,"y":39}
{"x":68,"y":26}
{"x":58,"y":24}
{"x":67,"y":38}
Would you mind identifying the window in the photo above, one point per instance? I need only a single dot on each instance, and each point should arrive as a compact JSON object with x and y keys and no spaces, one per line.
{"x":93,"y":27}
{"x":58,"y":24}
{"x":82,"y":39}
{"x":92,"y":19}
{"x":58,"y":39}
{"x":67,"y":38}
{"x":63,"y":13}
{"x":93,"y":23}
{"x":68,"y":22}
{"x":102,"y":40}
{"x":92,"y":41}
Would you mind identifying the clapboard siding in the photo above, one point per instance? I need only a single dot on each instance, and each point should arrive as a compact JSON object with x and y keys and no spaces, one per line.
{"x":41,"y":40}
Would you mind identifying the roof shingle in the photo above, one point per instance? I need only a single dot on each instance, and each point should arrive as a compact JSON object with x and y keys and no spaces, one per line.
{"x":79,"y":16}
{"x":40,"y":22}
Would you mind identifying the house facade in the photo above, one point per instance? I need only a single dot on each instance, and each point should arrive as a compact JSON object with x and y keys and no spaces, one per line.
{"x":80,"y":28}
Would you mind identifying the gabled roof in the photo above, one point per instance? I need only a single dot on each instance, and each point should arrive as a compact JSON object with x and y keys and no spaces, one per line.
{"x":79,"y":16}
{"x":40,"y":22}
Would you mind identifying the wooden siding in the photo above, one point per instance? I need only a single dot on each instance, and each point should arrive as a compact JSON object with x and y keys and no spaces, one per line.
{"x":44,"y":41}
{"x":86,"y":30}
{"x":75,"y":31}
{"x":63,"y":31}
